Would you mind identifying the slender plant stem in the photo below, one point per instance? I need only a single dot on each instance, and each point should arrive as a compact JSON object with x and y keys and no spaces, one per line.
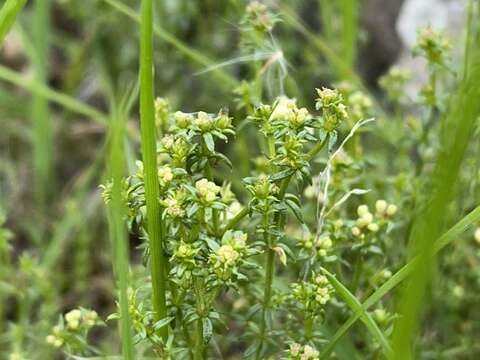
{"x":198,"y":354}
{"x":8,"y":14}
{"x":147,"y":120}
{"x":279,"y":221}
{"x":43,"y":154}
{"x":118,"y":231}
{"x":236,"y":219}
{"x":267,"y":292}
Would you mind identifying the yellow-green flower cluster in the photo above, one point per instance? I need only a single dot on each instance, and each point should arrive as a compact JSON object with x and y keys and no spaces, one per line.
{"x":360,"y":105}
{"x":302,"y":352}
{"x":286,"y":110}
{"x":174,"y":204}
{"x":334,"y":110}
{"x":258,"y":15}
{"x":432,"y":45}
{"x":311,"y":296}
{"x":176,"y":147}
{"x":183,"y":120}
{"x":204,"y":121}
{"x":165,"y":174}
{"x":394,"y":83}
{"x":74,"y":321}
{"x":207,"y":191}
{"x":229,"y":254}
{"x":263,"y":187}
{"x":162,"y":107}
{"x":367,"y":222}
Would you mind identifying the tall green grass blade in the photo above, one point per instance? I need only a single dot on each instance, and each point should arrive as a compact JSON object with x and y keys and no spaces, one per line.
{"x":64,"y":100}
{"x":149,"y":155}
{"x":455,"y":136}
{"x":449,"y":236}
{"x":349,"y":32}
{"x":8,"y":14}
{"x":356,"y":306}
{"x":43,"y":150}
{"x":118,"y":230}
{"x":196,"y":56}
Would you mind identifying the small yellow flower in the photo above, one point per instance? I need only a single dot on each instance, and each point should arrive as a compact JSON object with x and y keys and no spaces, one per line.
{"x":50,"y":339}
{"x":227,"y":255}
{"x":165,"y":173}
{"x":73,"y":315}
{"x":381,"y":207}
{"x":207,"y":190}
{"x":391,"y":210}
{"x":356,"y":231}
{"x":477,"y":235}
{"x":204,"y":121}
{"x":362,"y":210}
{"x":373,"y":227}
{"x":182,"y":119}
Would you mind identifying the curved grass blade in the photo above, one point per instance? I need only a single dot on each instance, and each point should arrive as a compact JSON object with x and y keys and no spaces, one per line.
{"x":8,"y":14}
{"x":356,"y":306}
{"x":64,"y":100}
{"x":117,"y":228}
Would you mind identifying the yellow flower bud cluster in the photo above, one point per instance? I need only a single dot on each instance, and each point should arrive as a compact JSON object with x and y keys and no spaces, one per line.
{"x":366,"y":222}
{"x":302,"y":352}
{"x":286,"y":110}
{"x":207,"y":190}
{"x":324,"y":244}
{"x":162,"y":107}
{"x":165,"y":174}
{"x":312,"y":295}
{"x":174,"y":205}
{"x":75,"y":320}
{"x":334,"y":110}
{"x":182,"y":120}
{"x":432,"y":45}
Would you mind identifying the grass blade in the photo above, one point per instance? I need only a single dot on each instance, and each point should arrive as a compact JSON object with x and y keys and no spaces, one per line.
{"x":118,"y":231}
{"x":54,"y":96}
{"x":8,"y":14}
{"x":356,"y":306}
{"x":43,"y":150}
{"x":149,"y":154}
{"x":457,"y":130}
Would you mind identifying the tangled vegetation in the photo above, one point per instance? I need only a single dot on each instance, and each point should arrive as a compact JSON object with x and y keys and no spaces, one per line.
{"x":252,"y":212}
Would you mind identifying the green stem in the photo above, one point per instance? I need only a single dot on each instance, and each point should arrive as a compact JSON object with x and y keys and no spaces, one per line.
{"x":43,"y":153}
{"x":148,"y":142}
{"x":267,"y":291}
{"x":235,"y":220}
{"x":118,"y":233}
{"x":309,"y":322}
{"x":198,"y":354}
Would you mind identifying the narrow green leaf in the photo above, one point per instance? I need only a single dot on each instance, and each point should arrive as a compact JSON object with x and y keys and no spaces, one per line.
{"x":356,"y":306}
{"x":149,"y":154}
{"x":8,"y":14}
